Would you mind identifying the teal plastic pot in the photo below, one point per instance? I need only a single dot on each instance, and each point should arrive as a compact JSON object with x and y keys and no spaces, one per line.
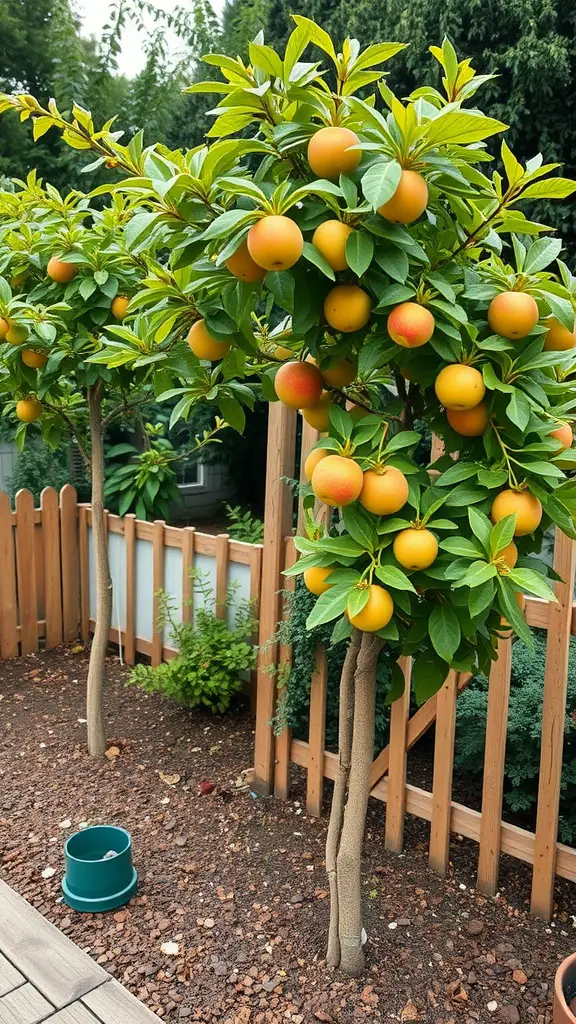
{"x":95,"y":882}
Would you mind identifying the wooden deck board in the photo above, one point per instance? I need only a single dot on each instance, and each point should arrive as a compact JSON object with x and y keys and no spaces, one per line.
{"x":9,"y":977}
{"x":112,"y":1003}
{"x":24,"y":1005}
{"x":75,"y":1014}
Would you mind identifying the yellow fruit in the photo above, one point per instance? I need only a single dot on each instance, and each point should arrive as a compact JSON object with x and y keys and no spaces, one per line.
{"x":509,"y":554}
{"x":281,"y":352}
{"x":275,"y":243}
{"x":337,"y":481}
{"x":347,"y":308}
{"x":241,"y":264}
{"x":4,"y":328}
{"x":459,"y":387}
{"x":329,"y":154}
{"x":34,"y":358}
{"x":376,"y":613}
{"x":564,"y":435}
{"x":60,"y":271}
{"x":119,"y":306}
{"x":385,"y":491}
{"x":204,"y":345}
{"x":409,"y":200}
{"x":16,"y":334}
{"x":356,"y":411}
{"x":513,"y":314}
{"x":28,"y":410}
{"x":415,"y":549}
{"x":339,"y":373}
{"x":526,"y":506}
{"x":312,"y":460}
{"x":330,"y":240}
{"x":315,"y":580}
{"x":558,"y":338}
{"x":469,"y":422}
{"x":317,"y":415}
{"x":298,"y":385}
{"x":410,"y":325}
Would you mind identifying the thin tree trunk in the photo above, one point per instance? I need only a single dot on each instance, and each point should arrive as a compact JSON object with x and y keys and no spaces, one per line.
{"x":345,"y":721}
{"x":350,"y":853}
{"x":97,"y":666}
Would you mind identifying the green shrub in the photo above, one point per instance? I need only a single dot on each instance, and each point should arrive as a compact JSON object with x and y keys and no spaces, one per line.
{"x":211,"y":658}
{"x":523,"y":737}
{"x":37,"y":466}
{"x":242,"y":525}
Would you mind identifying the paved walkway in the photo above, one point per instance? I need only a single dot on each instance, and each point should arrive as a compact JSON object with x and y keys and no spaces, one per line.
{"x":44,"y":976}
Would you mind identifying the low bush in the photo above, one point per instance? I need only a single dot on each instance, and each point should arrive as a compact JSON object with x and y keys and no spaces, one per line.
{"x":242,"y":525}
{"x":212,"y":657}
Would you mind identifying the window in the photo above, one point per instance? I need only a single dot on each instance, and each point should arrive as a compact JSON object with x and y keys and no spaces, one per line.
{"x":190,"y":475}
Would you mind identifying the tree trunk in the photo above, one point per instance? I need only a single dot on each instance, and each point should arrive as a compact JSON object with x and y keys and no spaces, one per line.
{"x":345,"y":721}
{"x":97,"y":666}
{"x":348,"y":866}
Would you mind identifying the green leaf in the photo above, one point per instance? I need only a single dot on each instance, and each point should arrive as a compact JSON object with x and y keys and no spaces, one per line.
{"x":138,"y":227}
{"x":405,"y":439}
{"x":342,"y":630}
{"x":550,"y":188}
{"x":357,"y":600}
{"x":394,"y":577}
{"x":397,"y":683}
{"x":359,"y":251}
{"x":380,"y":182}
{"x":560,"y":308}
{"x":519,"y":410}
{"x":394,"y":294}
{"x":444,"y":631}
{"x":87,"y":287}
{"x":360,"y":526}
{"x":461,"y":127}
{"x":503,"y":533}
{"x":493,"y":477}
{"x":462,"y":546}
{"x":480,"y":598}
{"x":532,"y":582}
{"x":343,"y":546}
{"x":454,"y":474}
{"x":428,"y":675}
{"x":329,"y":606}
{"x":393,"y":261}
{"x":311,"y":253}
{"x":514,"y":616}
{"x":281,"y":284}
{"x":232,"y":412}
{"x":478,"y":573}
{"x":481,"y":527}
{"x":541,"y":254}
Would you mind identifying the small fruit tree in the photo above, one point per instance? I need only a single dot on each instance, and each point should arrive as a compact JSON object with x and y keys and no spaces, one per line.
{"x":358,"y":255}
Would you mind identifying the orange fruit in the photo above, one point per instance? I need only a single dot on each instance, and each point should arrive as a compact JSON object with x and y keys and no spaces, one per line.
{"x":513,"y":314}
{"x":4,"y":328}
{"x":330,"y":240}
{"x":204,"y":345}
{"x":16,"y":334}
{"x":459,"y":387}
{"x":415,"y":549}
{"x":356,"y":411}
{"x":60,"y":271}
{"x":376,"y":613}
{"x":315,"y":580}
{"x":281,"y":352}
{"x":526,"y":506}
{"x":347,"y":308}
{"x":409,"y":200}
{"x":34,"y":358}
{"x":275,"y":242}
{"x":558,"y":338}
{"x":469,"y":422}
{"x":329,"y":153}
{"x":509,"y":554}
{"x":298,"y":384}
{"x":28,"y":410}
{"x":119,"y":306}
{"x":410,"y":325}
{"x":564,"y":434}
{"x":241,"y":264}
{"x":312,"y":460}
{"x":337,"y":481}
{"x":317,"y":415}
{"x":339,"y":373}
{"x":384,"y":491}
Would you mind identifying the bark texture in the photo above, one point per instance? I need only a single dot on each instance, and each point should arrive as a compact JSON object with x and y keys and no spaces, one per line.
{"x":97,"y":666}
{"x":345,"y":722}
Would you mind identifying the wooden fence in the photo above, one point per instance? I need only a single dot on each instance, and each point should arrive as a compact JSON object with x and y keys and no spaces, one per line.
{"x":47,"y":579}
{"x":273,"y":756}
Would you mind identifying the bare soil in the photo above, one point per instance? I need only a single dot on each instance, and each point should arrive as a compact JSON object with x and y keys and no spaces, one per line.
{"x":231,"y":915}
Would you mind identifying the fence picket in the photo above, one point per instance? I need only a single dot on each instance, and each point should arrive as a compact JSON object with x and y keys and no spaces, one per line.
{"x":284,"y":740}
{"x":187,"y":581}
{"x":553,"y":715}
{"x":254,"y":598}
{"x":157,"y":584}
{"x":8,"y":596}
{"x":26,"y":572}
{"x":221,"y":575}
{"x":494,"y":759}
{"x":129,"y":630}
{"x":84,"y":563}
{"x":70,"y":562}
{"x":442,"y":778}
{"x":396,"y":802}
{"x":50,"y":519}
{"x":316,"y":734}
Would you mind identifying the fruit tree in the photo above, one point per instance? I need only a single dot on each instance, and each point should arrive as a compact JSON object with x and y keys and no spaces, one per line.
{"x":357,"y":254}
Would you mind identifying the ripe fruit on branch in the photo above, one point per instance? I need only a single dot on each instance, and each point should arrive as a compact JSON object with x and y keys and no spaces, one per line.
{"x":526,"y":506}
{"x":28,"y":410}
{"x":315,"y":580}
{"x":357,"y":412}
{"x":204,"y":345}
{"x":330,"y":240}
{"x":275,"y":242}
{"x":347,"y":308}
{"x":512,"y":315}
{"x":377,"y":611}
{"x":317,"y":415}
{"x":329,"y":153}
{"x":409,"y":200}
{"x":241,"y":264}
{"x":298,"y":385}
{"x":312,"y":460}
{"x":469,"y":422}
{"x":61,"y":271}
{"x":337,"y":481}
{"x":415,"y":549}
{"x":563,"y":433}
{"x":281,"y":352}
{"x":384,"y":491}
{"x":339,"y":373}
{"x":34,"y":358}
{"x":459,"y":386}
{"x":4,"y":328}
{"x":558,"y":338}
{"x":410,"y":325}
{"x":119,"y":306}
{"x":509,"y":554}
{"x":16,"y":334}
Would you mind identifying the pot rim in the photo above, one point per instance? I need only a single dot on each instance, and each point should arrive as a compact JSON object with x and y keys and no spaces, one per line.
{"x":96,"y":828}
{"x":569,"y":961}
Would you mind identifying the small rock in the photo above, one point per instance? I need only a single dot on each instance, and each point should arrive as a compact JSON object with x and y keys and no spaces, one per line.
{"x":180,"y":841}
{"x":296,"y":898}
{"x":112,"y":753}
{"x":510,"y":1013}
{"x":209,"y":922}
{"x":519,"y":977}
{"x":404,"y":922}
{"x":269,"y":986}
{"x":475,"y":927}
{"x":492,"y":1006}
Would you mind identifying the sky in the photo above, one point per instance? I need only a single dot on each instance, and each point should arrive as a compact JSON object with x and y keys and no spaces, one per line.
{"x":131,"y":61}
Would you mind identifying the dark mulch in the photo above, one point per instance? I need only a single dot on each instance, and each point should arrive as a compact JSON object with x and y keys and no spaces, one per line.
{"x":236,"y":883}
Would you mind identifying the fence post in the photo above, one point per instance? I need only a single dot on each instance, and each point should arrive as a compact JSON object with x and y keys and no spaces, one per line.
{"x":494,"y":759}
{"x":396,"y":802}
{"x":26,"y":572}
{"x":8,"y":600}
{"x":84,"y":514}
{"x":277,"y":525}
{"x":442,"y":779}
{"x":130,"y":631}
{"x":284,"y":740}
{"x":254,"y":598}
{"x":553,"y":716}
{"x":187,"y":581}
{"x":157,"y":584}
{"x":70,"y":562}
{"x":50,"y":520}
{"x":316,"y":735}
{"x":221,"y":575}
